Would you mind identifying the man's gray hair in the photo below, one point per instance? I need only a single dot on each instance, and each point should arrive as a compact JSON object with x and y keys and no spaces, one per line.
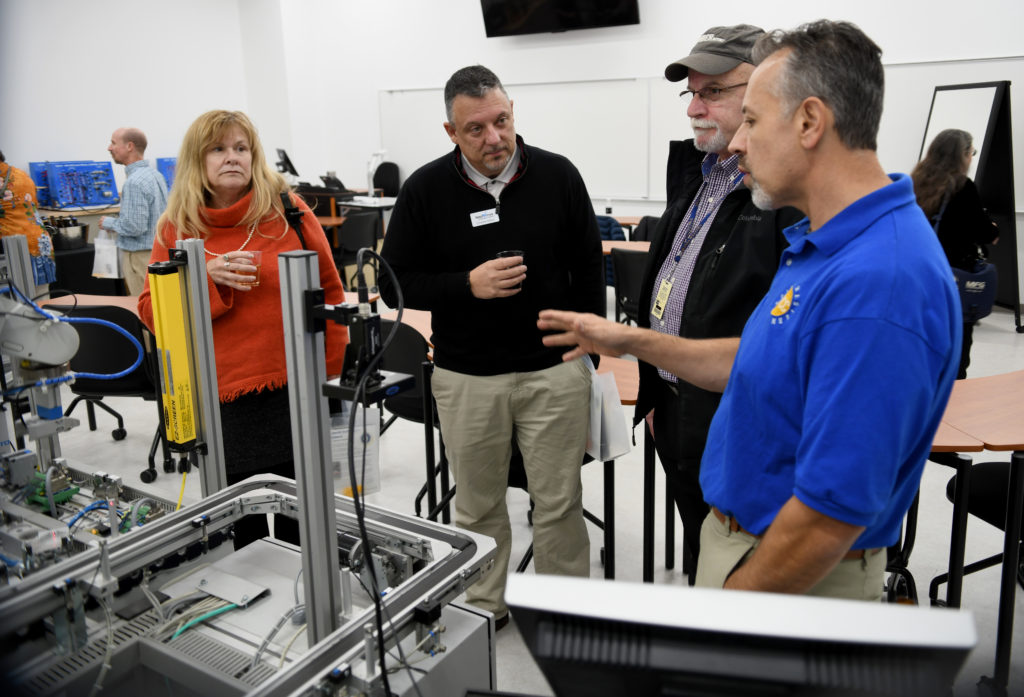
{"x":473,"y":81}
{"x":837,"y":63}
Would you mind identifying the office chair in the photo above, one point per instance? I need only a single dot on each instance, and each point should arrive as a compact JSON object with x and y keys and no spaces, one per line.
{"x":102,"y":350}
{"x":409,"y":353}
{"x":644,"y":230}
{"x":385,"y":178}
{"x":610,"y":230}
{"x":360,"y":229}
{"x":987,"y":499}
{"x":628,"y":266}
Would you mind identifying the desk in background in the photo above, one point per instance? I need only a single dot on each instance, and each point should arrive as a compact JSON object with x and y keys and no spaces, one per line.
{"x":638,"y":246}
{"x":991,"y":410}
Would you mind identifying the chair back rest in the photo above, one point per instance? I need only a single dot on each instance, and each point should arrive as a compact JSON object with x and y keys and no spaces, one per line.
{"x":610,"y":230}
{"x":103,"y":350}
{"x":360,"y":229}
{"x":405,"y":354}
{"x":629,"y":268}
{"x":644,"y":230}
{"x":385,"y":178}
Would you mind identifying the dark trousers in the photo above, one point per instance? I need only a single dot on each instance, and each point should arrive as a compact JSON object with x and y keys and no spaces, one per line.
{"x":682,"y":472}
{"x":258,"y":440}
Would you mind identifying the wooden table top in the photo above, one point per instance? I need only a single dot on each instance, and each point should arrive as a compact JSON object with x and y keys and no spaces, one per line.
{"x":637,"y":246}
{"x":989,"y":409}
{"x":128,"y":302}
{"x":952,"y":440}
{"x":628,"y":220}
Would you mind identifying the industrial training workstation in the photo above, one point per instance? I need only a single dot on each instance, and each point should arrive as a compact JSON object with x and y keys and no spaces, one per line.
{"x":120,"y":567}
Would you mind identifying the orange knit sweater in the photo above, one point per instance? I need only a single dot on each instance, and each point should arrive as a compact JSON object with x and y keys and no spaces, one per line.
{"x":248,"y":333}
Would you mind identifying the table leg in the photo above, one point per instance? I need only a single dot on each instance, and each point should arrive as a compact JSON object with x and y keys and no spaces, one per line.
{"x":609,"y":519}
{"x":1008,"y":585}
{"x":958,"y":537}
{"x":648,"y":567}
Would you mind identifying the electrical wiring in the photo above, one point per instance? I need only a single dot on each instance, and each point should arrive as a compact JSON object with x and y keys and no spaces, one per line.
{"x":181,"y":495}
{"x":288,"y":646}
{"x":380,"y":609}
{"x":203,"y":618}
{"x":98,"y":685}
{"x":270,"y":636}
{"x":49,"y":491}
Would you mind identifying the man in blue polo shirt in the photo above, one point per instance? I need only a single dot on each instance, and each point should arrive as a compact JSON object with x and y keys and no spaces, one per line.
{"x":835,"y":388}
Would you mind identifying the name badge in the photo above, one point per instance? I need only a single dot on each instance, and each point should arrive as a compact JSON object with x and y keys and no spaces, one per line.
{"x":484,"y":217}
{"x":662,"y":299}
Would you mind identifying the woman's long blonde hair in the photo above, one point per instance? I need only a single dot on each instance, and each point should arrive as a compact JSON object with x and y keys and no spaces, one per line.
{"x":191,"y":191}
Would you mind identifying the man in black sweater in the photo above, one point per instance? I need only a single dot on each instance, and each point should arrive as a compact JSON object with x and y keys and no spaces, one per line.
{"x":712,"y":258}
{"x":494,"y":381}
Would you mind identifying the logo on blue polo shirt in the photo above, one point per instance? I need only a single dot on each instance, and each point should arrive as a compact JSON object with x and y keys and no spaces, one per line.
{"x":784,"y":308}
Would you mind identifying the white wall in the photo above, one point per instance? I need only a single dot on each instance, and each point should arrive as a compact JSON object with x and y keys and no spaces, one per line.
{"x":310,"y":72}
{"x":72,"y":72}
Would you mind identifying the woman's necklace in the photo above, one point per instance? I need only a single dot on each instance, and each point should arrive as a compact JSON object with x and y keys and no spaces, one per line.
{"x":252,"y":231}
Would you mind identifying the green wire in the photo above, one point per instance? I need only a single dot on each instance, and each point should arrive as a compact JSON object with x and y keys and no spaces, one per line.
{"x":207,"y":616}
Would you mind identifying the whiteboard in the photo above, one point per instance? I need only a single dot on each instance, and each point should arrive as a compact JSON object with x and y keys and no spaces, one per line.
{"x":968,"y":108}
{"x":602,"y":126}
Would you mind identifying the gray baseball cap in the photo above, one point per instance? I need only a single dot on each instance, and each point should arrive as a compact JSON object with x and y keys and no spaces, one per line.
{"x":717,"y":51}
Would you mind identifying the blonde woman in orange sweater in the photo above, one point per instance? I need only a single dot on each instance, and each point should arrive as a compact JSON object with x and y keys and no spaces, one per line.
{"x":226,"y":194}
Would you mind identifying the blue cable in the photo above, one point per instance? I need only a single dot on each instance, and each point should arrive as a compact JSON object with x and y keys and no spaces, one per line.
{"x":91,"y":507}
{"x":84,"y":320}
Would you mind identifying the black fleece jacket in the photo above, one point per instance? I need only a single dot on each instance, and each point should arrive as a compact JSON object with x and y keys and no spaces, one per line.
{"x":432,"y":245}
{"x":734,"y":269}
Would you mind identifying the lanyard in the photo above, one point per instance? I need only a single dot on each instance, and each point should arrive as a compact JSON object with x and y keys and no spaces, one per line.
{"x":693,"y":229}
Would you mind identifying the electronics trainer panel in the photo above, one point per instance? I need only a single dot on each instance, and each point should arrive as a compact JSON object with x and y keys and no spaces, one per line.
{"x":75,"y":183}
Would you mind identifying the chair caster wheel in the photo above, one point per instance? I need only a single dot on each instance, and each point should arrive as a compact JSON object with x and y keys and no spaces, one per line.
{"x":119,"y":433}
{"x":169,"y":466}
{"x":148,"y":476}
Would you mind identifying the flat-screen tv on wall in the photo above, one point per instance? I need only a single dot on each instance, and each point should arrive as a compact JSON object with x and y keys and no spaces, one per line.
{"x":512,"y":17}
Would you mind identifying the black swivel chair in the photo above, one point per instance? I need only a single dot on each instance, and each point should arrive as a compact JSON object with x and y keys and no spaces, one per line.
{"x":103,"y":350}
{"x":359,"y":230}
{"x":644,"y":231}
{"x":385,"y":178}
{"x":628,"y":266}
{"x":987,"y":499}
{"x":409,"y":353}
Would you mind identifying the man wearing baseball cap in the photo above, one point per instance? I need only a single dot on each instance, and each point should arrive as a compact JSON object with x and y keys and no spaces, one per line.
{"x":712,"y":258}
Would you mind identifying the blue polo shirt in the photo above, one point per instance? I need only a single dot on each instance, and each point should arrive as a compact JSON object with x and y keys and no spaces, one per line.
{"x":842,"y":374}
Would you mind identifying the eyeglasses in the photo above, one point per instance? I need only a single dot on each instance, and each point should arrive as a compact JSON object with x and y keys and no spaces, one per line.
{"x":974,"y":152}
{"x":708,"y":95}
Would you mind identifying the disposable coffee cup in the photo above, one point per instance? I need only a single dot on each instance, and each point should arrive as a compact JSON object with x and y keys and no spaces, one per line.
{"x":512,"y":253}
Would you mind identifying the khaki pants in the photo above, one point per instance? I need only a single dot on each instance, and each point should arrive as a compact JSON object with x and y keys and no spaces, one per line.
{"x":134,"y":266}
{"x":723,"y":550}
{"x":547,"y":411}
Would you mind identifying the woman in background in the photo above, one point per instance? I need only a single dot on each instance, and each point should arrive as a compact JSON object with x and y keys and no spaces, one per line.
{"x":943,"y":190}
{"x":226,"y":194}
{"x":19,"y":216}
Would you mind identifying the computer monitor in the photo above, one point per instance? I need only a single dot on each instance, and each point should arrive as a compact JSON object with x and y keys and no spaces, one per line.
{"x":600,"y":638}
{"x":284,"y":164}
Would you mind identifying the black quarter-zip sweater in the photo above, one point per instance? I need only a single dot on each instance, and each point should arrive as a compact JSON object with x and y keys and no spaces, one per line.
{"x":431,"y":244}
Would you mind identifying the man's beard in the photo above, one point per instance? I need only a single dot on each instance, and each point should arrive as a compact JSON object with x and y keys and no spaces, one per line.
{"x":715,"y":143}
{"x":759,"y":197}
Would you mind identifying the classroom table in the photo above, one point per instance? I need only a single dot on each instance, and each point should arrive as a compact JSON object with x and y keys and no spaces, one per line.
{"x":627,"y":380}
{"x":636,"y":246}
{"x":991,"y":410}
